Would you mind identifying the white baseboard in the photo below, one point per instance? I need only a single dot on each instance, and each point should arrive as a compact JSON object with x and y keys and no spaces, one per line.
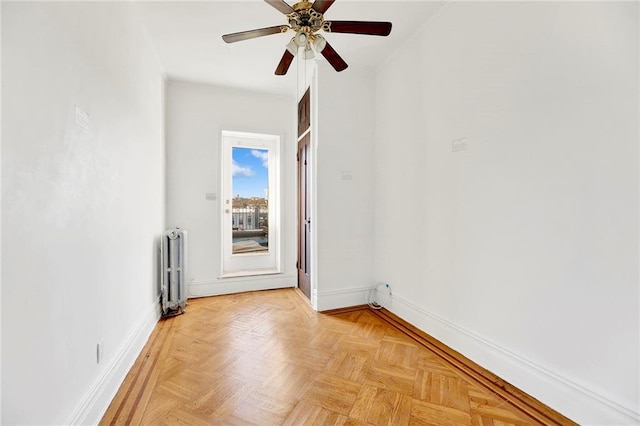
{"x":558,"y":392}
{"x":97,"y":400}
{"x":232,"y":285}
{"x":328,"y":300}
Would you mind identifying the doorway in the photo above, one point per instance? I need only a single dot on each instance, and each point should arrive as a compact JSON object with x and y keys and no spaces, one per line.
{"x":250,"y":194}
{"x":304,"y":216}
{"x":304,"y":194}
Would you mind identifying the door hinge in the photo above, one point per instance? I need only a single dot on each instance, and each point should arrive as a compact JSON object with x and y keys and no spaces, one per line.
{"x":297,"y":265}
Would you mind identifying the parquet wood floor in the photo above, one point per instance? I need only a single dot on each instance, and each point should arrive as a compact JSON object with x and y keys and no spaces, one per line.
{"x":266,"y":358}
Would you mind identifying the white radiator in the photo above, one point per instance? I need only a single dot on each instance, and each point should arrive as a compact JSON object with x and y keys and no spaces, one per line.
{"x":174,"y":272}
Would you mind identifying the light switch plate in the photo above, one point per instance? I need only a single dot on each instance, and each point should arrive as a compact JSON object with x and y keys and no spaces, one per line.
{"x":459,"y":145}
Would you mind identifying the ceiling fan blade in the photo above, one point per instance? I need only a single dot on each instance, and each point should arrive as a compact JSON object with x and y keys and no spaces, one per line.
{"x":321,"y":6}
{"x":247,"y":35}
{"x":360,"y":27}
{"x":333,"y":58}
{"x":285,"y":63}
{"x":281,"y":5}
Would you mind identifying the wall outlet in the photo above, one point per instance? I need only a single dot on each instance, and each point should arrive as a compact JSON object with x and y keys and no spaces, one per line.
{"x":99,"y":351}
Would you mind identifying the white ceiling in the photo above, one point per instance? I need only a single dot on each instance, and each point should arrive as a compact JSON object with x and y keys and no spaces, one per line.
{"x":187,"y":37}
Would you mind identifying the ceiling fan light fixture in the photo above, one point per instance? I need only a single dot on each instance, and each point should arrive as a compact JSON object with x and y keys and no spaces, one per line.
{"x":319,"y":43}
{"x":292,"y":47}
{"x":308,"y":52}
{"x":301,"y":38}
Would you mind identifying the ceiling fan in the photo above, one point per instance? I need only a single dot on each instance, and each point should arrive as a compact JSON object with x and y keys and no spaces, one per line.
{"x":306,"y":19}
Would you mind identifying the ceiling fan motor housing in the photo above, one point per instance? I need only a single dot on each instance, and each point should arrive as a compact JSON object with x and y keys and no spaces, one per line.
{"x":302,"y":6}
{"x":305,"y":18}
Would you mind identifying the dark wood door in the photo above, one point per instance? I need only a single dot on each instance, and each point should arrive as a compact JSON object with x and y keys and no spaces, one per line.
{"x":304,"y":216}
{"x":304,"y":112}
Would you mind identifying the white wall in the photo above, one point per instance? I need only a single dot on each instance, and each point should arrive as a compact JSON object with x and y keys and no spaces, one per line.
{"x":81,"y":209}
{"x":522,"y":251}
{"x":196,"y":116}
{"x":344,"y":223}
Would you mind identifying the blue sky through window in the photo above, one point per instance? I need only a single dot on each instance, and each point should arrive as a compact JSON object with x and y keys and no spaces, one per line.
{"x":250,"y":172}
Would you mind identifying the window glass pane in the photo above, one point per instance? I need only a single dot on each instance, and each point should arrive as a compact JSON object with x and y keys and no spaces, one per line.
{"x":250,"y":214}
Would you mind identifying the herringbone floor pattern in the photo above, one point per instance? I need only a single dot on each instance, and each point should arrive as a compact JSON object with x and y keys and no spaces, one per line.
{"x":266,"y":358}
